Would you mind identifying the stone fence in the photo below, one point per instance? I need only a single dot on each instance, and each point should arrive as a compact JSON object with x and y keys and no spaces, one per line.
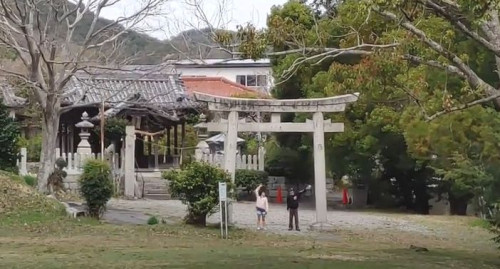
{"x":246,"y":162}
{"x":74,"y":161}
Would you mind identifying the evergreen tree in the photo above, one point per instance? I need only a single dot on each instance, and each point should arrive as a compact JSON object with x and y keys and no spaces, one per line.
{"x":9,"y":134}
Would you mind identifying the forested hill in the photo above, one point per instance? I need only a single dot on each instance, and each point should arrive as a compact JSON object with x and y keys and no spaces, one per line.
{"x":149,"y":50}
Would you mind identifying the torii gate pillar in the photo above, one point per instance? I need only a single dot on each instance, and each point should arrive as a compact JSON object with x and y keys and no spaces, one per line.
{"x":318,"y":126}
{"x":319,"y":167}
{"x":230,"y":144}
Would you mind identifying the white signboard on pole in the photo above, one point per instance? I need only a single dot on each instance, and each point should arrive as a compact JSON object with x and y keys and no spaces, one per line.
{"x":222,"y":191}
{"x":223,"y":206}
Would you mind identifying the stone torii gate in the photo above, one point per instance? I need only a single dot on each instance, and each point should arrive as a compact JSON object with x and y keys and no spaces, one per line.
{"x":318,"y":126}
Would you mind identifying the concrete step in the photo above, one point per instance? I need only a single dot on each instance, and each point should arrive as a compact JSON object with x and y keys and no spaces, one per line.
{"x":151,"y":180}
{"x":149,"y":187}
{"x":157,"y":196}
{"x":155,"y":191}
{"x":163,"y":183}
{"x":154,"y":185}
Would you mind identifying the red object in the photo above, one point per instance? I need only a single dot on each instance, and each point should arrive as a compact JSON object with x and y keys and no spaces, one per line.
{"x":345,"y":198}
{"x":279,"y":196}
{"x":216,"y":86}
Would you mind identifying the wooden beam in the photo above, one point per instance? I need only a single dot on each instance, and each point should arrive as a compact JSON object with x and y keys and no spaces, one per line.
{"x":268,"y":127}
{"x":169,"y":148}
{"x":176,"y":139}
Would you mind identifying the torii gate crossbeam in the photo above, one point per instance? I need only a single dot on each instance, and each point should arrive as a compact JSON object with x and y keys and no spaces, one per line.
{"x":318,"y":126}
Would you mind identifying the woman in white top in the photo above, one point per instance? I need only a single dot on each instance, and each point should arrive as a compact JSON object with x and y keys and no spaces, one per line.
{"x":262,"y":207}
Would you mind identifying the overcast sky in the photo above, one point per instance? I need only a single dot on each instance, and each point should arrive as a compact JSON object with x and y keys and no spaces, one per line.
{"x":179,"y":15}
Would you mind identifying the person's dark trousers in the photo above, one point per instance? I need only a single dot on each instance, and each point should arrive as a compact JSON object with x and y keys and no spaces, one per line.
{"x":294,"y":213}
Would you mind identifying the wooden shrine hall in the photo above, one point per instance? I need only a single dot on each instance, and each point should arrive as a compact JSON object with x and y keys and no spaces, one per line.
{"x":156,"y":104}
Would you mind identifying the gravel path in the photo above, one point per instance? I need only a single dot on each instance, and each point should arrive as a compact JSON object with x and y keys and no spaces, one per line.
{"x":277,"y":219}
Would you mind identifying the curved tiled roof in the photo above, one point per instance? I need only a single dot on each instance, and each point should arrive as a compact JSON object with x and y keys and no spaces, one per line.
{"x":162,"y":90}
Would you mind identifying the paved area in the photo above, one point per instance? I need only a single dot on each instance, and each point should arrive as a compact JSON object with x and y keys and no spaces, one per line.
{"x":123,"y":216}
{"x":277,"y":219}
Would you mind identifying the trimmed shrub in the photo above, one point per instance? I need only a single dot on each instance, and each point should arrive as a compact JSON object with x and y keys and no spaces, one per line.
{"x":153,"y":220}
{"x":96,"y":187}
{"x":197,"y":187}
{"x":250,"y":179}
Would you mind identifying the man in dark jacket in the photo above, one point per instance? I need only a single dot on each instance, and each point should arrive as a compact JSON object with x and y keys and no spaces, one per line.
{"x":292,"y":205}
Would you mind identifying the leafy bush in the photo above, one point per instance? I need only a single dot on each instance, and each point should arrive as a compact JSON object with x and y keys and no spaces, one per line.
{"x":33,"y":147}
{"x":153,"y":220}
{"x":55,"y":181}
{"x":30,"y":180}
{"x":96,"y":186}
{"x":197,"y":187}
{"x":114,"y":129}
{"x":250,"y":179}
{"x":9,"y":150}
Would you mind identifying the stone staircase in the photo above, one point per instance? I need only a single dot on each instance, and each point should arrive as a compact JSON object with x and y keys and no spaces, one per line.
{"x":155,"y":187}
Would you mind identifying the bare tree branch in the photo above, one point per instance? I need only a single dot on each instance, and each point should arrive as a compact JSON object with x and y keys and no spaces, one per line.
{"x":448,"y":68}
{"x":456,"y":20}
{"x":474,"y":80}
{"x":464,"y":106}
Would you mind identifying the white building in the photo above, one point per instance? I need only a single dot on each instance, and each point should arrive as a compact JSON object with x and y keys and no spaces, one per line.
{"x":253,"y":74}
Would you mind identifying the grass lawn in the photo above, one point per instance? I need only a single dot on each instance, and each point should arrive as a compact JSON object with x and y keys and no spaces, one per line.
{"x":34,"y":234}
{"x":34,"y":240}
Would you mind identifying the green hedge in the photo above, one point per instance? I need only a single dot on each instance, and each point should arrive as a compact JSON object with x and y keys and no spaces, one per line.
{"x":250,"y":179}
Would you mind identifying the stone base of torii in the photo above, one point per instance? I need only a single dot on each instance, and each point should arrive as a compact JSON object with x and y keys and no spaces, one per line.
{"x":318,"y":126}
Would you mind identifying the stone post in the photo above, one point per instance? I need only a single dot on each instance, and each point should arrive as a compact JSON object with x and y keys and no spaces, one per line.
{"x":201,"y":150}
{"x":319,"y":170}
{"x":262,"y":153}
{"x":23,"y":170}
{"x":155,"y":152}
{"x":129,"y":161}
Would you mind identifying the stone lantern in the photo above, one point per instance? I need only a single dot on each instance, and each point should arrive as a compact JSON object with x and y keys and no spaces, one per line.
{"x":84,"y":125}
{"x":202,"y":149}
{"x":201,"y":128}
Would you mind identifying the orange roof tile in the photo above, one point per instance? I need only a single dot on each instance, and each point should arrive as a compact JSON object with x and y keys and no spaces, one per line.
{"x":217,"y":86}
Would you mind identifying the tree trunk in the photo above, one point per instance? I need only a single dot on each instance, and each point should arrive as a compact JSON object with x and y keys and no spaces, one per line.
{"x":458,"y":206}
{"x":50,"y":127}
{"x":421,"y":197}
{"x":198,"y":220}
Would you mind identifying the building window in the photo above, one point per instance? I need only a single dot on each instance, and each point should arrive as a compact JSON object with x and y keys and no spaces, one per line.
{"x":241,"y":80}
{"x":252,"y":80}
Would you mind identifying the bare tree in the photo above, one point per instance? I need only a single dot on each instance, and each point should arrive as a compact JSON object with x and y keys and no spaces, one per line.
{"x":43,"y":35}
